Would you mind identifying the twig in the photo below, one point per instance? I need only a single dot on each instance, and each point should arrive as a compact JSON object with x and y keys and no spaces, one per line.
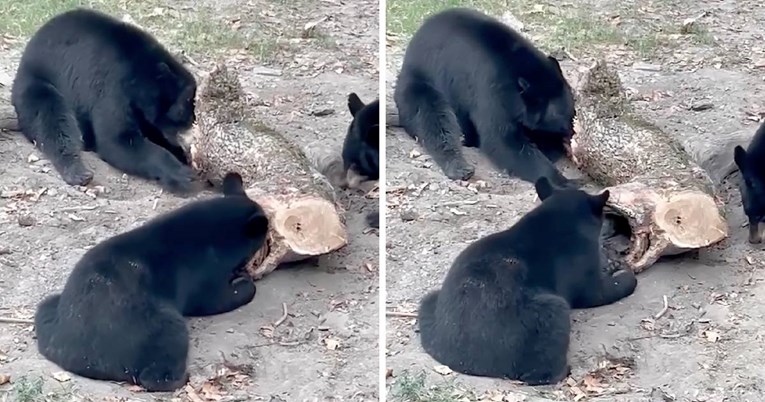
{"x":570,"y":56}
{"x":78,"y":208}
{"x":400,"y":314}
{"x":9,"y":320}
{"x":664,"y":310}
{"x":283,"y":317}
{"x":457,"y":203}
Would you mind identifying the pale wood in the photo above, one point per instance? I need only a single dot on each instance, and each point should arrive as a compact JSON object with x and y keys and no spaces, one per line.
{"x":668,"y":200}
{"x":300,"y":202}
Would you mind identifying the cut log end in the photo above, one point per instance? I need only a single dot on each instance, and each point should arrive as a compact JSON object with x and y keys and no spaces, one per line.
{"x":691,"y":220}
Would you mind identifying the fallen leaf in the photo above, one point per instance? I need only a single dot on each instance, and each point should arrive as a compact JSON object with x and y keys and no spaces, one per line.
{"x":749,"y":260}
{"x":712,"y":336}
{"x":4,"y":379}
{"x":592,"y":384}
{"x":191,"y":394}
{"x":62,"y":376}
{"x":32,"y":158}
{"x":443,"y":370}
{"x":414,"y":154}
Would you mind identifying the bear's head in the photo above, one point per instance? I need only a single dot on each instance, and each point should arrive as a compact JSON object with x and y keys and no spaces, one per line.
{"x":587,"y":209}
{"x":361,"y":150}
{"x":548,"y":100}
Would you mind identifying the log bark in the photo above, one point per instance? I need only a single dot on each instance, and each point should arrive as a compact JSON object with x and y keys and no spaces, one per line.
{"x":668,"y":200}
{"x":8,"y":120}
{"x":304,"y":217}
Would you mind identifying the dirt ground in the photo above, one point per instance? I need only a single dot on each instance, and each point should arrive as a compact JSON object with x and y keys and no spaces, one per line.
{"x":321,"y":350}
{"x":707,"y":346}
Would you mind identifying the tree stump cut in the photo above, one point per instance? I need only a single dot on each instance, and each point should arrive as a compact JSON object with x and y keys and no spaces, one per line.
{"x":304,"y":217}
{"x":667,"y":199}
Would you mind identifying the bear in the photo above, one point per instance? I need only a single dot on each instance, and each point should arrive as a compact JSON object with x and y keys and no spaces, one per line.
{"x":361,"y":148}
{"x":466,"y":74}
{"x":120,"y":316}
{"x":504,"y":307}
{"x":89,"y":82}
{"x":752,"y":182}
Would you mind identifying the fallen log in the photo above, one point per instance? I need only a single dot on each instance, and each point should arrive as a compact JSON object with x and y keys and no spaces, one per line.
{"x":667,"y":199}
{"x":304,"y":218}
{"x":8,"y":119}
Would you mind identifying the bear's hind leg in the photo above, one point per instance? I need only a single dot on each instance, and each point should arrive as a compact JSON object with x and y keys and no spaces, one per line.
{"x":163,"y":354}
{"x":46,"y":120}
{"x":546,"y":322}
{"x":428,"y":117}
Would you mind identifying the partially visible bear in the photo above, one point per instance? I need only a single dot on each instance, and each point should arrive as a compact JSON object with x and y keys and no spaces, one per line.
{"x":121,"y":314}
{"x":468,"y":75}
{"x":361,"y":149}
{"x":503,"y":310}
{"x":751,"y":164}
{"x":87,"y":81}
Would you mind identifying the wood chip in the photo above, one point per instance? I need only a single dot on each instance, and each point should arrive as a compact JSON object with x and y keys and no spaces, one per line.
{"x":62,"y":376}
{"x":443,"y":370}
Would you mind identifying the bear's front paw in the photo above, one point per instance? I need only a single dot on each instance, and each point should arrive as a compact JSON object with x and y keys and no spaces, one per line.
{"x":458,"y":170}
{"x":181,"y":181}
{"x":75,"y":173}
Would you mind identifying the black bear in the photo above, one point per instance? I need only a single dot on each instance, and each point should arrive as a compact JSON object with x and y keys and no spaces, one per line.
{"x":751,"y":164}
{"x":503,"y":310}
{"x":121,"y":314}
{"x":468,"y":75}
{"x":87,"y":81}
{"x":361,"y":149}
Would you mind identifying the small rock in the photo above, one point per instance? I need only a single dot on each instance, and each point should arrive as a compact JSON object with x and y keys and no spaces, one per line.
{"x":408,"y":215}
{"x":26,"y":220}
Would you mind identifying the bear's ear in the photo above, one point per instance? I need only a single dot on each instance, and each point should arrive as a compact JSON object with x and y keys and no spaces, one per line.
{"x":544,"y":188}
{"x":739,"y":156}
{"x":523,"y":85}
{"x":555,"y":63}
{"x":257,"y":225}
{"x":233,"y":184}
{"x":354,"y":104}
{"x":599,"y":201}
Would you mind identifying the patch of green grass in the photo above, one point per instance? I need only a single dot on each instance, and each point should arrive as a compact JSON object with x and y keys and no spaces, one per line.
{"x":30,"y":389}
{"x":198,"y":31}
{"x":412,"y":388}
{"x":22,"y":18}
{"x":575,"y":27}
{"x":405,"y":16}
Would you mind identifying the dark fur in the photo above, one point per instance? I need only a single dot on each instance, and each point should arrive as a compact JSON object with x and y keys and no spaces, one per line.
{"x":361,"y":149}
{"x":120,"y":315}
{"x":468,"y":75}
{"x":751,"y":163}
{"x":503,"y":310}
{"x":90,"y":82}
